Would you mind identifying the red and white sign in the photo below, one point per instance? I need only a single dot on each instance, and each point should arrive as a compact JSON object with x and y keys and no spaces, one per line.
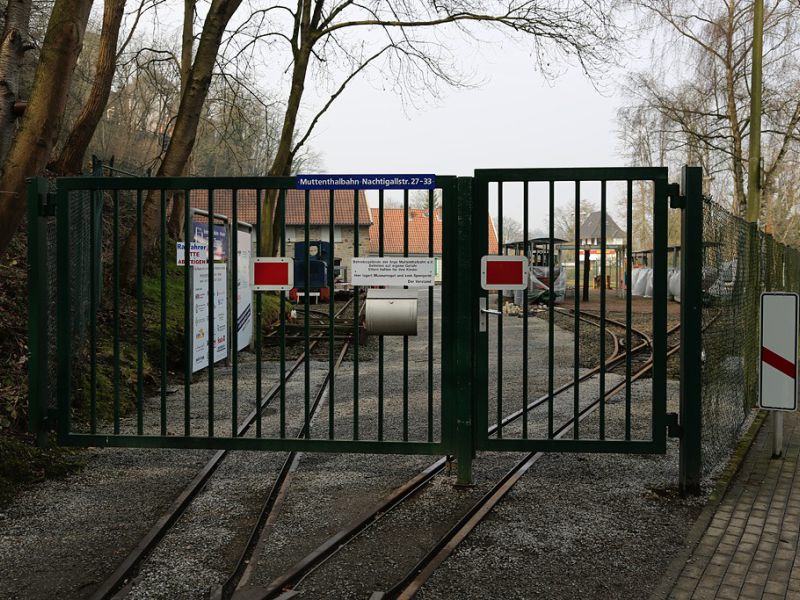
{"x":778,"y":372}
{"x":272,"y":274}
{"x":504,"y":272}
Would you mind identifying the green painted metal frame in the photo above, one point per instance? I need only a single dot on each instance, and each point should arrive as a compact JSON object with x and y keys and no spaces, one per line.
{"x":657,"y":442}
{"x":40,"y":424}
{"x":690,"y":460}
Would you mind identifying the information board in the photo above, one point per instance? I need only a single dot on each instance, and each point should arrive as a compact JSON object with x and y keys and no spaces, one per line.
{"x":200,"y":327}
{"x":394,"y":271}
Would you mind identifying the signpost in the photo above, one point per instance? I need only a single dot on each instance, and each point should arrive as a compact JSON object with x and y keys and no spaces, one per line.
{"x":778,"y":366}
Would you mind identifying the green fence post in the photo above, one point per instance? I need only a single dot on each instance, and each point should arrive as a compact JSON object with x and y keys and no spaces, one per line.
{"x":38,"y":317}
{"x":691,"y":391}
{"x":463,"y":342}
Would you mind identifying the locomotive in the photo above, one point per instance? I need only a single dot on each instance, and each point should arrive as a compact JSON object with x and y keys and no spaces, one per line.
{"x":319,"y":256}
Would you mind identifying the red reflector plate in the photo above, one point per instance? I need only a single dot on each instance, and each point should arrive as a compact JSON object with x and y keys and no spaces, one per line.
{"x":271,"y":274}
{"x":504,"y":272}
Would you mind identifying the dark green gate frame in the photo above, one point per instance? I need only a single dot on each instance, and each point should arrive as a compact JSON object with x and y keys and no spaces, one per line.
{"x":575,"y":443}
{"x":43,"y":205}
{"x":464,"y":396}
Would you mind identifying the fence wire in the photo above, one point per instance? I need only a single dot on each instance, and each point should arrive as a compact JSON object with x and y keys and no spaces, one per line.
{"x":732,"y":286}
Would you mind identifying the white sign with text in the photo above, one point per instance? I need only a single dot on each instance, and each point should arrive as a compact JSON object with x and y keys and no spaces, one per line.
{"x":394,"y":271}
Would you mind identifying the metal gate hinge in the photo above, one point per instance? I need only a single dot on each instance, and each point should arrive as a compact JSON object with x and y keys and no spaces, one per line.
{"x":47,"y":205}
{"x":674,"y":429}
{"x":674,"y":195}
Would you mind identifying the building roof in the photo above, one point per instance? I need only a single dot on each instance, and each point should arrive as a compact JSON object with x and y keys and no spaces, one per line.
{"x":343,"y":207}
{"x":590,"y":228}
{"x":418,"y":232}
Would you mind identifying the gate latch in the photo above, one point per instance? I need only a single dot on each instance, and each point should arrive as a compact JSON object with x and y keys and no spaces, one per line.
{"x":483,"y":314}
{"x":674,"y":195}
{"x":674,"y":429}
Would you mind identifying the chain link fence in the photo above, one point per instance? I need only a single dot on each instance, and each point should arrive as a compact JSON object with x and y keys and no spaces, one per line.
{"x":732,"y":285}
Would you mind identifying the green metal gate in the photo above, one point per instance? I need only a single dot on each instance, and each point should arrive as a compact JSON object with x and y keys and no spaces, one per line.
{"x":132,"y":382}
{"x":249,"y":401}
{"x":547,"y":411}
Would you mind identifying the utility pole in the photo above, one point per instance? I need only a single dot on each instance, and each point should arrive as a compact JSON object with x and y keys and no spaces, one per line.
{"x":754,"y":163}
{"x":754,"y":197}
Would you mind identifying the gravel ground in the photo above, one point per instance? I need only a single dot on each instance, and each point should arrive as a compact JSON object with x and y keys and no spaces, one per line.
{"x":568,"y":512}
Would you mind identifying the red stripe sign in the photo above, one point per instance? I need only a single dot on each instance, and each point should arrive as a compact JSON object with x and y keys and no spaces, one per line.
{"x":780,"y":313}
{"x":272,"y":274}
{"x":504,"y":272}
{"x":776,"y":361}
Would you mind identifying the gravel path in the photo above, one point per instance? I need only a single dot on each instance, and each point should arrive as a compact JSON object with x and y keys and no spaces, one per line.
{"x":575,"y":525}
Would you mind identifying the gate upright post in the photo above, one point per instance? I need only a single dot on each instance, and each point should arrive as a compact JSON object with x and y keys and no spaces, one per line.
{"x":38,"y":310}
{"x":691,"y":391}
{"x":464,"y":333}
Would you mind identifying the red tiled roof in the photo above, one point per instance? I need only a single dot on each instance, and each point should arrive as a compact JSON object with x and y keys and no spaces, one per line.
{"x":343,"y":207}
{"x":418,"y":232}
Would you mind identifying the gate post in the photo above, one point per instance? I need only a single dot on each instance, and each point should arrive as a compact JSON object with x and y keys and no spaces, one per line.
{"x":691,"y":390}
{"x":464,"y":333}
{"x":38,"y":310}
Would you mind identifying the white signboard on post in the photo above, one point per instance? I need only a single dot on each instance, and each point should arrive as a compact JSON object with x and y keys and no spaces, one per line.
{"x":394,"y":271}
{"x":244,"y":320}
{"x":201,"y":317}
{"x":778,"y":372}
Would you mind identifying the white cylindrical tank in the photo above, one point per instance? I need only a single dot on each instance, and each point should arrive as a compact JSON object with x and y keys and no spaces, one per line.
{"x":391,"y":312}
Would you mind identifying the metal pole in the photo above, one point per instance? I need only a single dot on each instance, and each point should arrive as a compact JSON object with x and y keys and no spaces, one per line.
{"x":691,"y":397}
{"x":754,"y":184}
{"x":777,"y":433}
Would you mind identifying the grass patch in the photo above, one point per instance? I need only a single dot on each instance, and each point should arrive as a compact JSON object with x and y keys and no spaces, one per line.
{"x":174,"y":345}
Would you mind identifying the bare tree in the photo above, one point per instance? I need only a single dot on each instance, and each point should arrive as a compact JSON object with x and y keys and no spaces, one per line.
{"x":422,"y":199}
{"x":74,"y":149}
{"x":321,"y":33}
{"x":12,"y":52}
{"x":38,"y":130}
{"x":703,"y":118}
{"x":185,"y":129}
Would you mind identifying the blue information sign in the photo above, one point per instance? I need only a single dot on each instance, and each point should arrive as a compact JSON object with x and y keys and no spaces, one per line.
{"x":366,"y":182}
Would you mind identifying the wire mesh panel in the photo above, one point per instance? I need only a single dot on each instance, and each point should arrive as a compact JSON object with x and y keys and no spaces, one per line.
{"x":564,"y":358}
{"x":732,"y":284}
{"x":177,"y":351}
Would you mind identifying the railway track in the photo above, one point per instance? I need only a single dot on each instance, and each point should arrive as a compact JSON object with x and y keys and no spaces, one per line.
{"x":119,"y":584}
{"x":408,"y":585}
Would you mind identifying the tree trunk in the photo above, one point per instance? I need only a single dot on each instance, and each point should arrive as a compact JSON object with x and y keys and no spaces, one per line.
{"x":175,"y":225}
{"x":34,"y":141}
{"x":70,"y":160}
{"x":739,"y":196}
{"x":12,"y":51}
{"x":282,"y":164}
{"x":185,"y":130}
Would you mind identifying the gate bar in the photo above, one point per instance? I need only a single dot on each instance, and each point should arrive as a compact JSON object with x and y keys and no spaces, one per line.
{"x":38,"y":310}
{"x":576,"y":344}
{"x":691,"y":397}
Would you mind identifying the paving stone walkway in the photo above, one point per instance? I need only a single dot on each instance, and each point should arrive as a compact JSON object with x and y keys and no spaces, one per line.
{"x":750,"y":549}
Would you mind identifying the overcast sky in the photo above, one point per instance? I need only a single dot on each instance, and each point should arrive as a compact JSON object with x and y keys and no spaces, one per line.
{"x":516,"y":118}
